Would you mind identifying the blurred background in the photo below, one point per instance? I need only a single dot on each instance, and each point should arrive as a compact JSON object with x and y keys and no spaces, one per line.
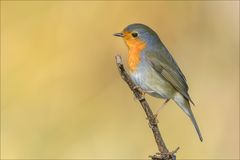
{"x":62,"y":96}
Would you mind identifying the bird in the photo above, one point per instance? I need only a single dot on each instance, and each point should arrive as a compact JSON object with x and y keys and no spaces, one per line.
{"x":154,"y":70}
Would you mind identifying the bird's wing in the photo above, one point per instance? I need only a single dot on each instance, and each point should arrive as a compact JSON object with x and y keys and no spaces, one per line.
{"x":164,"y":64}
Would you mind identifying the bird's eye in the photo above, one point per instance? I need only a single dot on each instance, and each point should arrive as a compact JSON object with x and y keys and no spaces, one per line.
{"x":134,"y":34}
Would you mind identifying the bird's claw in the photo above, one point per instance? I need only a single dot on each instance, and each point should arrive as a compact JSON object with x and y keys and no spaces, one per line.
{"x":141,"y":93}
{"x":155,"y":116}
{"x":139,"y":89}
{"x":152,"y":123}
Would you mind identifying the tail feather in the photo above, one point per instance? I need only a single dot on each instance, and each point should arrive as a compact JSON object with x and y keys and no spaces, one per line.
{"x":191,"y":116}
{"x":183,"y":103}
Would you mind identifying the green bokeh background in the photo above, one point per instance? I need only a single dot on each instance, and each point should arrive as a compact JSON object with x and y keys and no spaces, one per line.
{"x":62,"y":96}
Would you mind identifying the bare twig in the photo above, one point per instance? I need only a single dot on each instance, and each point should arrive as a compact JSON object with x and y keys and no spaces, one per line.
{"x":164,"y":153}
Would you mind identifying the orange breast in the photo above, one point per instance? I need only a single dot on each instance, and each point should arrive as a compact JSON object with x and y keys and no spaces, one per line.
{"x":135,"y":47}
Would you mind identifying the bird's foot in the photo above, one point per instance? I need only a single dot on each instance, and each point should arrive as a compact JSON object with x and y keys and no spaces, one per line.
{"x":155,"y":115}
{"x":152,"y":122}
{"x":139,"y":89}
{"x":140,"y":94}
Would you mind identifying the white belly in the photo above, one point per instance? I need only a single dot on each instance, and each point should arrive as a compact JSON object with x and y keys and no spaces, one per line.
{"x":151,"y":82}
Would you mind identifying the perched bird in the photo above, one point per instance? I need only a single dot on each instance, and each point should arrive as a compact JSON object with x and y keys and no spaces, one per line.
{"x":153,"y":69}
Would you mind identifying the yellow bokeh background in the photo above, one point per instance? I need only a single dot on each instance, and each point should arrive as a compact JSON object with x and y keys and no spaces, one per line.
{"x":62,"y":96}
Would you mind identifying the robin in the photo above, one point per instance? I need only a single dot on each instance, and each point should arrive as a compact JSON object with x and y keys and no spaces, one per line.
{"x":153,"y":69}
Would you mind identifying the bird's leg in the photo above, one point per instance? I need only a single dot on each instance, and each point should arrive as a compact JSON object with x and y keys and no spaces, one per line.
{"x":160,"y":107}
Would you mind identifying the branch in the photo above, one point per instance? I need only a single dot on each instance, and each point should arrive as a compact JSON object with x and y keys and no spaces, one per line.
{"x":164,"y":153}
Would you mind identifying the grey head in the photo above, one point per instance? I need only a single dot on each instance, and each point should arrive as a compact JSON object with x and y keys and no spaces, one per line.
{"x":143,"y":32}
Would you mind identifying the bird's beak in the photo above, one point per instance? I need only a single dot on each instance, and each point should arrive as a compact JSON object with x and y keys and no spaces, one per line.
{"x":119,"y":34}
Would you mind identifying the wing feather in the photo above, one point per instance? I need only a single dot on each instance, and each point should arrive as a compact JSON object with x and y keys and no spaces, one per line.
{"x":166,"y":66}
